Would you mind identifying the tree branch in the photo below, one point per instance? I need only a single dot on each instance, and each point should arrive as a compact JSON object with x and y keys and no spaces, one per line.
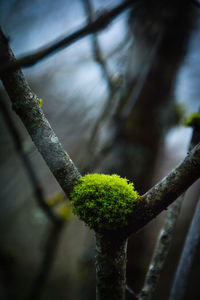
{"x":97,"y":53}
{"x":98,"y":24}
{"x":26,"y":105}
{"x":161,"y":251}
{"x":164,"y":240}
{"x":160,"y":196}
{"x":190,"y":249}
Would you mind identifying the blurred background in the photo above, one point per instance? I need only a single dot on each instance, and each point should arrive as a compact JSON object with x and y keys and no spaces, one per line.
{"x":117,"y":100}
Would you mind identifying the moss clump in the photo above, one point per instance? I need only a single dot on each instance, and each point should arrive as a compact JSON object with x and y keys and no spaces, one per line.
{"x":103,"y":201}
{"x":193,"y":120}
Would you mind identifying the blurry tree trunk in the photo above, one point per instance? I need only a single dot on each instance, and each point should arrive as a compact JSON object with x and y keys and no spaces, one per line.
{"x":160,"y":30}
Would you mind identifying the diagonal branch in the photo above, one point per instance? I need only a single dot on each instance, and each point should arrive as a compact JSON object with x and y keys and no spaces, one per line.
{"x":98,"y":24}
{"x":161,"y":195}
{"x":164,"y":239}
{"x":26,"y":105}
{"x":161,"y":250}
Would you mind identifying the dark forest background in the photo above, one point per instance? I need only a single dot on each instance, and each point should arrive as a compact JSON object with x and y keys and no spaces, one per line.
{"x":117,"y":100}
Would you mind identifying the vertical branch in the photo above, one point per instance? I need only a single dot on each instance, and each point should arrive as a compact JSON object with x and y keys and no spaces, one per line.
{"x":191,"y":243}
{"x":111,"y":256}
{"x":187,"y":257}
{"x":97,"y":54}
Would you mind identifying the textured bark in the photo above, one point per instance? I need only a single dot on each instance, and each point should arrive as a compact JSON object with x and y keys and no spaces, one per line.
{"x":161,"y":251}
{"x":25,"y":103}
{"x":160,"y":196}
{"x":111,"y":254}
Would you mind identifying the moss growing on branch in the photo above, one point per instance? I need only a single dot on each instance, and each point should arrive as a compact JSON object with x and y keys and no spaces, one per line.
{"x":104,"y":201}
{"x":193,"y":120}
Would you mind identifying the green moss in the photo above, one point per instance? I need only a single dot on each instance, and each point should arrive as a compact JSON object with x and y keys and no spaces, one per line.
{"x":65,"y":212}
{"x":193,"y":120}
{"x":40,"y":102}
{"x":103,"y":201}
{"x":55,"y":199}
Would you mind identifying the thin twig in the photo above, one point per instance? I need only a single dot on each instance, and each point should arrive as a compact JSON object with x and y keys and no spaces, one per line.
{"x":113,"y":89}
{"x":97,"y":53}
{"x":100,"y":23}
{"x":161,"y":251}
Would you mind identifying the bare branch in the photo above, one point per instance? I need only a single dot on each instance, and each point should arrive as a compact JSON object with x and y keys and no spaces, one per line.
{"x":187,"y":257}
{"x":164,"y":239}
{"x":98,"y":24}
{"x":97,"y":54}
{"x":26,"y":105}
{"x":161,"y":195}
{"x":161,"y":250}
{"x":112,"y":87}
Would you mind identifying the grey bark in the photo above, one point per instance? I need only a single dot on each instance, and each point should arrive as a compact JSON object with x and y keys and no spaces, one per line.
{"x":187,"y":257}
{"x":164,"y":239}
{"x":25,"y":103}
{"x":161,"y":251}
{"x":111,"y":252}
{"x":161,"y":195}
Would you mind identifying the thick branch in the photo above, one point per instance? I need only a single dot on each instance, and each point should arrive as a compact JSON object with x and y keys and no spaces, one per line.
{"x":26,"y":105}
{"x":98,"y":24}
{"x":111,"y":254}
{"x":160,"y":196}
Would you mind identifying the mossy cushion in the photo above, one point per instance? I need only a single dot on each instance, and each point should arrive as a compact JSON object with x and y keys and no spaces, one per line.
{"x":103,"y":201}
